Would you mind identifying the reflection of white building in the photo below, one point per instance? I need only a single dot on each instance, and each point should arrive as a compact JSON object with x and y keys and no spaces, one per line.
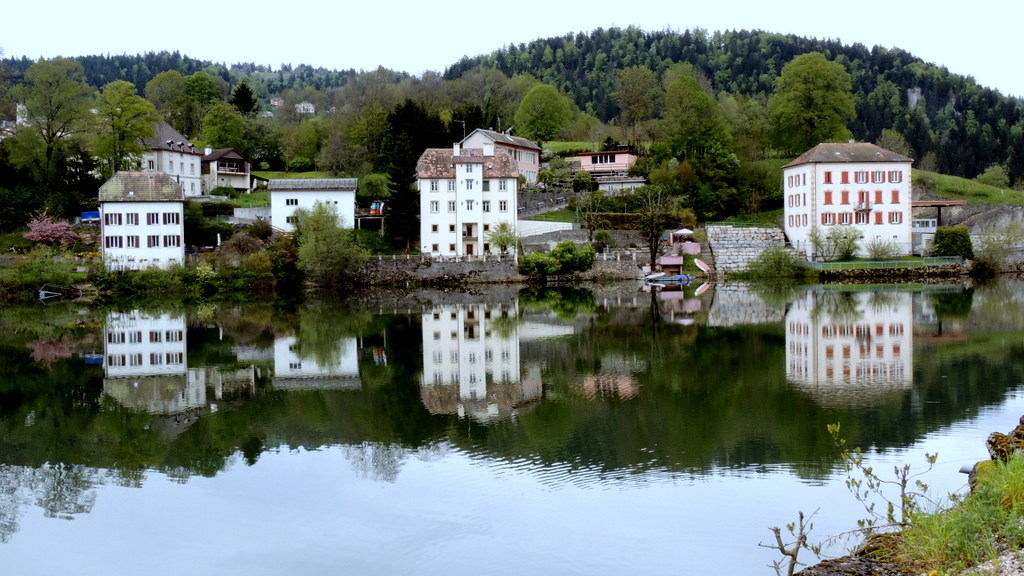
{"x":334,"y":369}
{"x":471,"y":361}
{"x":850,"y":348}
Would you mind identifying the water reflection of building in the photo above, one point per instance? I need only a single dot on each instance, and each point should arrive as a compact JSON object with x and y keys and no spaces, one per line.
{"x":336,"y":368}
{"x":850,"y":348}
{"x":471,"y":364}
{"x":145,"y":368}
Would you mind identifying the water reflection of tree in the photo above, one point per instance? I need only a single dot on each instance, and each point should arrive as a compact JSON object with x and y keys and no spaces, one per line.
{"x":61,"y":490}
{"x":838,"y":307}
{"x":321,"y":326}
{"x":566,"y":302}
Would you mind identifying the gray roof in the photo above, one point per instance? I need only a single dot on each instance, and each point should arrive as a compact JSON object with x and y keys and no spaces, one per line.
{"x":141,"y":187}
{"x":223,"y":153}
{"x":440,"y":163}
{"x":832,"y":152}
{"x":312,"y":184}
{"x":167,"y":138}
{"x":502,"y":138}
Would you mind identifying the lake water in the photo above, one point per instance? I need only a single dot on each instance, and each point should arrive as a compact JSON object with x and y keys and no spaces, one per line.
{"x":502,"y":431}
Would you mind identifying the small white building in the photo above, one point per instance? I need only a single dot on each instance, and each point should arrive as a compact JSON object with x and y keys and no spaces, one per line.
{"x":464,"y":192}
{"x":141,"y":221}
{"x":289,"y":194}
{"x":225,"y":167}
{"x":854,"y":184}
{"x":171,"y":153}
{"x":525,"y":152}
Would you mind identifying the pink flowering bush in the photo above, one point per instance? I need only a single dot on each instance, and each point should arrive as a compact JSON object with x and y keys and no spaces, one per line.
{"x":44,"y":230}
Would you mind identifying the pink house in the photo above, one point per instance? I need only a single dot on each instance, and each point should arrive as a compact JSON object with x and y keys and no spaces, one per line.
{"x":607,"y":162}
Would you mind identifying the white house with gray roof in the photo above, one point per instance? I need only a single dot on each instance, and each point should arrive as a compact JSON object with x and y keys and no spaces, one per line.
{"x":525,"y":152}
{"x":854,"y":184}
{"x":289,"y":194}
{"x":142,"y":221}
{"x":171,"y":153}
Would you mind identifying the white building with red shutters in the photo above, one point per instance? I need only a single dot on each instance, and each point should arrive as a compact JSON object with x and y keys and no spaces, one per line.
{"x":854,"y":184}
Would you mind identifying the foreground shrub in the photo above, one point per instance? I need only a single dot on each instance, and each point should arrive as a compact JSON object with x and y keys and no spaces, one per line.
{"x":777,"y":262}
{"x":879,"y":249}
{"x":953,"y":241}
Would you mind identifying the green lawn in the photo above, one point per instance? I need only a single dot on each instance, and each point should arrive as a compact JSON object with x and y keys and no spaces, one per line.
{"x":268,"y":174}
{"x":956,"y":188}
{"x":555,"y":216}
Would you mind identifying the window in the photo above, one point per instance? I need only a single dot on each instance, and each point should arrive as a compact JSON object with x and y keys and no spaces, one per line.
{"x":487,"y":248}
{"x":112,"y":219}
{"x":174,"y":336}
{"x":895,"y":176}
{"x":451,"y":227}
{"x":845,"y":197}
{"x":828,"y":218}
{"x":434,"y":186}
{"x":878,"y":177}
{"x":434,"y":248}
{"x":844,"y":177}
{"x":433,"y":228}
{"x":469,"y":204}
{"x":469,"y":168}
{"x":133,"y":219}
{"x":469,"y":184}
{"x":115,"y":338}
{"x":862,"y":217}
{"x":291,"y":201}
{"x":172,"y":241}
{"x":291,"y":219}
{"x":170,"y":165}
{"x":861,"y":176}
{"x":487,"y":186}
{"x":502,"y":205}
{"x":156,"y":336}
{"x":487,"y":227}
{"x":435,"y":206}
{"x":133,"y":241}
{"x":844,"y":217}
{"x":828,"y":177}
{"x":152,"y":241}
{"x":451,"y":205}
{"x":895,"y":217}
{"x":174,"y":357}
{"x":828,"y":197}
{"x":895,"y":196}
{"x":151,"y":165}
{"x":451,"y":185}
{"x":878,"y":217}
{"x":152,"y":218}
{"x":114,"y":242}
{"x":155,"y":359}
{"x":172,"y":218}
{"x":486,"y":205}
{"x":135,"y":337}
{"x":115,"y":360}
{"x":451,"y":247}
{"x":602,"y":159}
{"x":502,"y":185}
{"x":135,"y":359}
{"x":878,"y":196}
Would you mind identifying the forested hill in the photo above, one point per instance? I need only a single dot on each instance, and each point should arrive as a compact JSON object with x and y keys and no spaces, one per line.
{"x":966,"y":126}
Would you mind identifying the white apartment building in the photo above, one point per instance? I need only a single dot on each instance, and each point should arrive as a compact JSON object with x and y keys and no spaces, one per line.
{"x":289,"y":194}
{"x":464,"y":192}
{"x":142,"y":218}
{"x":171,"y":153}
{"x":856,"y":184}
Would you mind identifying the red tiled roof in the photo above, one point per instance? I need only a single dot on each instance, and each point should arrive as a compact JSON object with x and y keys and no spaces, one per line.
{"x":440,"y":163}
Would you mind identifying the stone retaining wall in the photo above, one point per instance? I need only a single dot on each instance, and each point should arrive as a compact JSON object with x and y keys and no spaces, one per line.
{"x":416,"y":270}
{"x":734,"y":248}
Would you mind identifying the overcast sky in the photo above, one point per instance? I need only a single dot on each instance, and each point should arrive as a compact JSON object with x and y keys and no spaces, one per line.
{"x":979,"y":40}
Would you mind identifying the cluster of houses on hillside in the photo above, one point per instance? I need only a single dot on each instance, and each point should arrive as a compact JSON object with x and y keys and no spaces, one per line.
{"x":466,"y":191}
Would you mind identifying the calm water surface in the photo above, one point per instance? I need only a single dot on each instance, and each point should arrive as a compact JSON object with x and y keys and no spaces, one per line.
{"x":604,"y":431}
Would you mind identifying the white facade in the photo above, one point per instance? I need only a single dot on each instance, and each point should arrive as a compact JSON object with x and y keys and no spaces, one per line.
{"x":171,"y":153}
{"x":142,"y":222}
{"x":854,"y":184}
{"x":850,"y":348}
{"x":464,"y":193}
{"x":524,"y":152}
{"x":339,"y":369}
{"x":288,"y":195}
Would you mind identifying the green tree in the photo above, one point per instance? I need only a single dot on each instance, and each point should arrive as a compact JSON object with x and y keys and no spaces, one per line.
{"x":503,"y":236}
{"x":223,"y":127}
{"x":124,"y":119}
{"x":654,"y":208}
{"x":953,"y":241}
{"x":542,"y":113}
{"x":244,"y":100}
{"x":638,"y":95}
{"x":374,"y":187}
{"x":167,"y":93}
{"x":812,"y":103}
{"x":894,"y":142}
{"x":201,"y":90}
{"x":56,"y":101}
{"x":995,"y":175}
{"x":327,"y":251}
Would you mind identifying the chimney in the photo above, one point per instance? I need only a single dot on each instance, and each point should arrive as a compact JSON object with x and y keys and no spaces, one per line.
{"x":208,"y":151}
{"x":488,"y":148}
{"x":455,"y":150}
